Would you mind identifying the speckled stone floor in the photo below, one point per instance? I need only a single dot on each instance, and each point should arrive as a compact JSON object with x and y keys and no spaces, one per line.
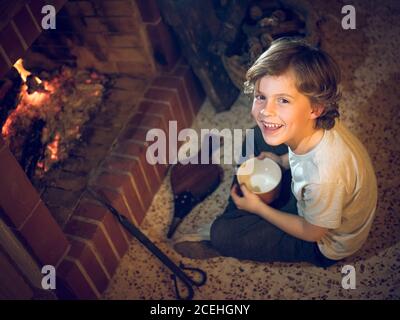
{"x":370,"y":108}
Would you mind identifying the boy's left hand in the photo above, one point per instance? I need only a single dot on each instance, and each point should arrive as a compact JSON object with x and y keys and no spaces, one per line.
{"x":248,"y":202}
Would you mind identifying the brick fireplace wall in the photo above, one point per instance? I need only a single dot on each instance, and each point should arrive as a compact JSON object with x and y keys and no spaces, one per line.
{"x":128,"y":181}
{"x":123,"y":37}
{"x":111,"y":36}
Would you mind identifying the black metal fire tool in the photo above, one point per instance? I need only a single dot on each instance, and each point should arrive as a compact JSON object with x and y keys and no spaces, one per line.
{"x":177,"y":271}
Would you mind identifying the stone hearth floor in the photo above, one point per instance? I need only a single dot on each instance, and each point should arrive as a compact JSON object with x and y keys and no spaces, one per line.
{"x":368,"y":57}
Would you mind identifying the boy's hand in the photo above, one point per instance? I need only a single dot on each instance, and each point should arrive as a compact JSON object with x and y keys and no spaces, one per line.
{"x":283,"y":160}
{"x":249,"y":201}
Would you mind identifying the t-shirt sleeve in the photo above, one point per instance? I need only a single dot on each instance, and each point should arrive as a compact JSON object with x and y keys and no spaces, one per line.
{"x":322,"y":204}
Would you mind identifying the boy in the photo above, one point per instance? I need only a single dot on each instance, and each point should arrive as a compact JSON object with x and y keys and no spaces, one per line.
{"x":329,"y":195}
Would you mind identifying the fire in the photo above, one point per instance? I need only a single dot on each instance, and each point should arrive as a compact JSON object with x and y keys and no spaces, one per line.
{"x":23,"y":72}
{"x":5,"y":131}
{"x":50,"y":114}
{"x":53,"y":147}
{"x":35,"y":99}
{"x":38,"y":97}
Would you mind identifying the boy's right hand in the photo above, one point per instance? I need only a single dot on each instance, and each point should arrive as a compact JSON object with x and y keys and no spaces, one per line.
{"x":283,"y":160}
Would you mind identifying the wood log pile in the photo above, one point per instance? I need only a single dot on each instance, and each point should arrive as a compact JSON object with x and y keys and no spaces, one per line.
{"x":259,"y":28}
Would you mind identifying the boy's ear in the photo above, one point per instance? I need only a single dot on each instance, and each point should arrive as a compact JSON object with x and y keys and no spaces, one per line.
{"x":316,"y":111}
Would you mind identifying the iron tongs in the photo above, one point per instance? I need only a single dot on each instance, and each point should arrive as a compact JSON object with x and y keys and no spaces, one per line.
{"x":177,"y":271}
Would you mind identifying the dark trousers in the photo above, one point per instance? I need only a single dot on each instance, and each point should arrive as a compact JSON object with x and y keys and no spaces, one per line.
{"x":244,"y":235}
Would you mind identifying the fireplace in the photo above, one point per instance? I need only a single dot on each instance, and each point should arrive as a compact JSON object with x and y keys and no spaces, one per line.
{"x":76,"y":114}
{"x":109,"y":72}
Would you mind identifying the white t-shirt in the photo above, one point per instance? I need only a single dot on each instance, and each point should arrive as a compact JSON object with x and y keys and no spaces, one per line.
{"x":335,"y":187}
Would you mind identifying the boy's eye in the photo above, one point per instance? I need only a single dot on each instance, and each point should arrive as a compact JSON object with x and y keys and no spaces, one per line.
{"x":259,"y":97}
{"x":283,"y":100}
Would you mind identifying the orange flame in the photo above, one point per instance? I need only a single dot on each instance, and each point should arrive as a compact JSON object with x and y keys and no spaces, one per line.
{"x":53,"y":147}
{"x":23,"y":72}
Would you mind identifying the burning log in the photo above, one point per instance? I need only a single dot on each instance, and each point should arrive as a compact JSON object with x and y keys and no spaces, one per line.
{"x":32,"y":149}
{"x":34,"y":84}
{"x":50,"y":116}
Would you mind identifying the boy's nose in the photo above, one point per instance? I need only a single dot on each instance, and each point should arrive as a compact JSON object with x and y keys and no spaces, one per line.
{"x":268,"y":110}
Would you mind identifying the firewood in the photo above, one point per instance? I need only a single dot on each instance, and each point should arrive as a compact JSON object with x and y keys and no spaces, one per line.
{"x":280,"y":15}
{"x":252,"y":31}
{"x":33,"y":84}
{"x":255,"y":13}
{"x":291,"y":26}
{"x":255,"y":48}
{"x":265,"y":40}
{"x":236,"y":69}
{"x":268,"y":22}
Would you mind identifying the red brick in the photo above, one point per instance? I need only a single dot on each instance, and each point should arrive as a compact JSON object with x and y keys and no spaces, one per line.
{"x":44,"y":236}
{"x":79,"y":8}
{"x":99,"y":213}
{"x":148,"y":10}
{"x":58,"y":4}
{"x":157,"y":108}
{"x":82,"y":253}
{"x":106,"y":24}
{"x":2,"y":143}
{"x":193,"y":87}
{"x":26,"y":26}
{"x":36,"y":9}
{"x":95,"y":235}
{"x":130,"y":130}
{"x":120,"y":40}
{"x":133,"y":150}
{"x":14,"y":184}
{"x":116,"y":199}
{"x":57,"y":197}
{"x":150,"y":121}
{"x":177,"y":84}
{"x":4,"y":67}
{"x":136,"y":55}
{"x":77,"y":280}
{"x":117,"y":8}
{"x":143,"y":121}
{"x":122,"y":183}
{"x":138,"y":132}
{"x":170,"y":98}
{"x":139,"y":137}
{"x":138,"y":69}
{"x":11,"y":43}
{"x":133,"y":167}
{"x":13,"y":281}
{"x":164,"y":46}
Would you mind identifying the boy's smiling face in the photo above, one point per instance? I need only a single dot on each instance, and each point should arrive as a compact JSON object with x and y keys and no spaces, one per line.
{"x":283,"y":114}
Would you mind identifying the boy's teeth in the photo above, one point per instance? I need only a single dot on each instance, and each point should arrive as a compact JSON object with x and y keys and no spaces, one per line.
{"x":272,"y":125}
